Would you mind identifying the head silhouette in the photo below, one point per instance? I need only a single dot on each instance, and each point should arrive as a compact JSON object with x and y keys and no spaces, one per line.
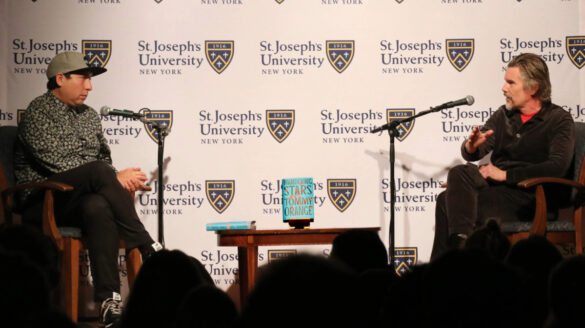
{"x":161,"y":285}
{"x":302,"y":290}
{"x":361,"y":250}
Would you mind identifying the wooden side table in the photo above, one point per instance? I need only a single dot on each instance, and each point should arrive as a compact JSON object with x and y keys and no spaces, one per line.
{"x":248,"y":241}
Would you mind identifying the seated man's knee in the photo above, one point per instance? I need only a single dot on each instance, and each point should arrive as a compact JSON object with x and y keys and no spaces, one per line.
{"x":457,"y":171}
{"x":465,"y":176}
{"x":100,"y":172}
{"x":100,"y":168}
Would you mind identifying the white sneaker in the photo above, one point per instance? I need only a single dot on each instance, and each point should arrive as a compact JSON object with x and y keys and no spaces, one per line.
{"x":111,"y":311}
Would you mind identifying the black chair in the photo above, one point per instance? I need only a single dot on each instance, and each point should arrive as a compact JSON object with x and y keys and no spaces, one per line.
{"x":557,"y":231}
{"x":67,"y":239}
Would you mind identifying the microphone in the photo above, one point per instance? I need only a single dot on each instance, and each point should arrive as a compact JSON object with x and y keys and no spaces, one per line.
{"x":105,"y":110}
{"x":463,"y":101}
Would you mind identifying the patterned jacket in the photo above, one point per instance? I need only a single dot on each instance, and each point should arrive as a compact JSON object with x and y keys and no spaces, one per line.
{"x":53,"y":137}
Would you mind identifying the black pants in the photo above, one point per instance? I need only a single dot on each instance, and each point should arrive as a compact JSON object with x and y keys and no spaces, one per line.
{"x":470,"y":200}
{"x":105,"y":212}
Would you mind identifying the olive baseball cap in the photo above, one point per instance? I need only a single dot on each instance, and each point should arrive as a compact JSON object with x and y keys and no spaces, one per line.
{"x":68,"y":62}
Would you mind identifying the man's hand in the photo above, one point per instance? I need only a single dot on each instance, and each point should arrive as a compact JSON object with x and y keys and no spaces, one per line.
{"x":132,"y":179}
{"x":489,"y":171}
{"x":476,"y":139}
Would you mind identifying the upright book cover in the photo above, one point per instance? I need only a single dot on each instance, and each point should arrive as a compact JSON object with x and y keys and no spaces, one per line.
{"x":298,"y":202}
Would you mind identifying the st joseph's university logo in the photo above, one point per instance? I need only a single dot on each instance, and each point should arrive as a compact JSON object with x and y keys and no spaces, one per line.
{"x":280,"y":122}
{"x":576,"y":50}
{"x":460,"y":52}
{"x":97,"y":52}
{"x":220,"y":193}
{"x":341,"y":192}
{"x":219,"y":54}
{"x":340,"y":54}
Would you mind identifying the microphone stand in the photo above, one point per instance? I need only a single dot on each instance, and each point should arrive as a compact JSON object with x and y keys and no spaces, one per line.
{"x":162,"y":130}
{"x":392,"y":132}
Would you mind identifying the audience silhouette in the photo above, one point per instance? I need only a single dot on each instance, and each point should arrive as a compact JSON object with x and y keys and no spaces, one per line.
{"x":28,"y":276}
{"x":567,"y":290}
{"x":303,"y":291}
{"x":403,"y":306}
{"x":361,"y":250}
{"x":534,"y":259}
{"x":364,"y":252}
{"x":162,"y":283}
{"x":487,"y":284}
{"x":490,"y":239}
{"x":469,"y":288}
{"x":206,"y":307}
{"x":24,"y":292}
{"x":34,"y":245}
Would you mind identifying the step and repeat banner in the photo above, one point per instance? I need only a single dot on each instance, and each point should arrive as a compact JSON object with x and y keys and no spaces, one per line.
{"x":257,"y":91}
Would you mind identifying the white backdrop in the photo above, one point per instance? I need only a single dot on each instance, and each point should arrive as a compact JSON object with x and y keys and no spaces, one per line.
{"x":397,"y":56}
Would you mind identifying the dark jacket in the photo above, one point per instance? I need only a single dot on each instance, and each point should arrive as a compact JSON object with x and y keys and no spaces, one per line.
{"x":543,"y":146}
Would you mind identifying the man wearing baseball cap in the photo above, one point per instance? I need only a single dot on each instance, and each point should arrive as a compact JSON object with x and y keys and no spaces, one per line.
{"x":60,"y":139}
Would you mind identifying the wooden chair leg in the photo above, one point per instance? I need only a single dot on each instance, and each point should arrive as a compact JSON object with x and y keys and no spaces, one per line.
{"x":133,"y":263}
{"x":579,"y":231}
{"x":70,"y":276}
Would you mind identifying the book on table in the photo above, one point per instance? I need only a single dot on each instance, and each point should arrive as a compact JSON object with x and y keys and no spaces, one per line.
{"x":231,"y":225}
{"x":298,"y":202}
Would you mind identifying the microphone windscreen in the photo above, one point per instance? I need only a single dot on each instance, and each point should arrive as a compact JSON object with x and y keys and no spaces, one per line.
{"x":105,"y":110}
{"x":470,"y":100}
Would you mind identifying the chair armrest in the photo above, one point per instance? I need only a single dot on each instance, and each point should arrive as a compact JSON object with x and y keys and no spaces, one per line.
{"x":46,"y":185}
{"x":540,"y":213}
{"x":49,"y":225}
{"x":58,"y":186}
{"x":53,"y":185}
{"x":541,"y":180}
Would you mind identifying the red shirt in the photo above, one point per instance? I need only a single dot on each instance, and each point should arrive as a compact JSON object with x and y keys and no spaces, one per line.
{"x":526,"y":117}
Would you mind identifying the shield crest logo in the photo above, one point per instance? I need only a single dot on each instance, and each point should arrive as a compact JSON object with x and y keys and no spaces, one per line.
{"x":280,"y":123}
{"x":279,"y":1}
{"x":460,"y":52}
{"x":340,"y":54}
{"x":341,"y":192}
{"x":97,"y":52}
{"x":576,"y":50}
{"x":220,"y":193}
{"x":219,"y":54}
{"x":403,"y":129}
{"x":19,"y":113}
{"x":159,"y":116}
{"x":404,"y":259}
